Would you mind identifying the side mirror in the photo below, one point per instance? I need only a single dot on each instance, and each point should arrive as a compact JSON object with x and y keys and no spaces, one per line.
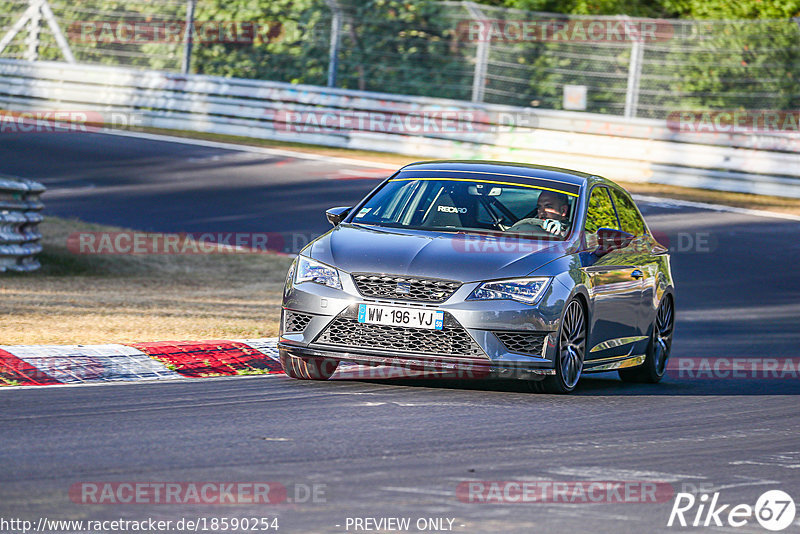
{"x":609,"y":239}
{"x":337,"y":215}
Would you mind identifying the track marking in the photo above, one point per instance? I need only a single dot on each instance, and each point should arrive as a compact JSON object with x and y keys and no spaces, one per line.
{"x":605,"y":473}
{"x":674,"y":202}
{"x":752,"y":482}
{"x":255,"y":149}
{"x":252,"y":399}
{"x":420,"y":491}
{"x":787,"y":460}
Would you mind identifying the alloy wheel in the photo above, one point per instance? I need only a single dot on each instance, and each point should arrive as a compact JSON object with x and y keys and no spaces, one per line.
{"x":572,"y":343}
{"x":663,"y":335}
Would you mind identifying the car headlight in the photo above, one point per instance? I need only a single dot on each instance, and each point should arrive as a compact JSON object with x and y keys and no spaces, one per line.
{"x":309,"y":270}
{"x":525,"y":290}
{"x":289,"y":278}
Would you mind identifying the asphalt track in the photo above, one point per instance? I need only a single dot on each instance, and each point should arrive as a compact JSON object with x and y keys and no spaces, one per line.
{"x":385,"y":448}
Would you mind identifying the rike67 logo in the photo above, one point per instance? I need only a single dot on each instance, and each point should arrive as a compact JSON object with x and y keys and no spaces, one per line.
{"x":774,"y":510}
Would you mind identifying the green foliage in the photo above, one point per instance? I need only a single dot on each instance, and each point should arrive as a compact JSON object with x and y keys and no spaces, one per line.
{"x":385,"y":45}
{"x":5,"y":381}
{"x":403,"y":45}
{"x":297,"y":54}
{"x":729,"y":65}
{"x":600,"y":212}
{"x":640,"y":8}
{"x":629,"y":218}
{"x":725,"y":9}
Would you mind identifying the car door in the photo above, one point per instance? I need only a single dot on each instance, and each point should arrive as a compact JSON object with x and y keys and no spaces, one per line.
{"x":613,"y":282}
{"x":639,"y":253}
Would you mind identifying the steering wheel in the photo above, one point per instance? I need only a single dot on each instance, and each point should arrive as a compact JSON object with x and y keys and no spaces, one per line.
{"x":530,"y":225}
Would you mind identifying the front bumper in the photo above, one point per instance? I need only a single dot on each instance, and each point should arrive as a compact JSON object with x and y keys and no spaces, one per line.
{"x":459,"y":367}
{"x":489,"y":328}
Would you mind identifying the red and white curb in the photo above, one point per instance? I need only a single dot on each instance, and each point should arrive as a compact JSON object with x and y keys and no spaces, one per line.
{"x":49,"y":365}
{"x":33,"y":365}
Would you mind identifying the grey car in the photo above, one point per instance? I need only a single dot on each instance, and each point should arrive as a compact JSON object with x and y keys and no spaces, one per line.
{"x":487,"y":269}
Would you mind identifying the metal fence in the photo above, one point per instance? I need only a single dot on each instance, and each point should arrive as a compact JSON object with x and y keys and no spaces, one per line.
{"x":460,"y":50}
{"x":19,"y":219}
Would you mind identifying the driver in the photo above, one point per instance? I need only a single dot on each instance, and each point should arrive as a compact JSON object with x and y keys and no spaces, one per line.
{"x":552,"y":208}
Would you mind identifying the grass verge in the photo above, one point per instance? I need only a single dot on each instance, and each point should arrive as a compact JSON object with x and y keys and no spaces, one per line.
{"x":84,"y":299}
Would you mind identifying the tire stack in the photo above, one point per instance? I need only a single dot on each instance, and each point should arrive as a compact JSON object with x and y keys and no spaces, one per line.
{"x":20,"y":215}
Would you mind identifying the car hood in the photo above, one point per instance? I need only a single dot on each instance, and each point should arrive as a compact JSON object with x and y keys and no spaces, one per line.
{"x":462,"y":257}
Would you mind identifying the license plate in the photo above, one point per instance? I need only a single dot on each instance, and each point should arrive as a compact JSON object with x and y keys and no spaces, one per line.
{"x":399,"y":316}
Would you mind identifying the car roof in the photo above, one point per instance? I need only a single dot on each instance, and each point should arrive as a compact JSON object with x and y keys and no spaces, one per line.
{"x":510,"y":170}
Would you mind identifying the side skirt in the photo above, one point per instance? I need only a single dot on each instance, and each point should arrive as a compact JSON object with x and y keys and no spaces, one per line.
{"x":614,"y":363}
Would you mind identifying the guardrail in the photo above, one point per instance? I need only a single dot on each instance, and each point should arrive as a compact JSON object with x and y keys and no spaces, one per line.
{"x":20,"y":216}
{"x":643,"y":150}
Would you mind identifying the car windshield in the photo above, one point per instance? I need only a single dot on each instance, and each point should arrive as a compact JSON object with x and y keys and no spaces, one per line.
{"x":470,"y":206}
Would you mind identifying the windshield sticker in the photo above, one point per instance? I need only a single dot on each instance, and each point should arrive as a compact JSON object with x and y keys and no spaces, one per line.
{"x":362,"y":212}
{"x":532,"y":183}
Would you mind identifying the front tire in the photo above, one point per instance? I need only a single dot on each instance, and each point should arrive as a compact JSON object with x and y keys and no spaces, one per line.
{"x":658,"y":348}
{"x":307,"y":368}
{"x":570,"y":354}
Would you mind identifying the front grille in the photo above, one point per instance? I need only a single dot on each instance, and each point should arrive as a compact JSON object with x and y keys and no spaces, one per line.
{"x":417,"y":289}
{"x":522,"y":342}
{"x":294,"y":321}
{"x":452,"y":340}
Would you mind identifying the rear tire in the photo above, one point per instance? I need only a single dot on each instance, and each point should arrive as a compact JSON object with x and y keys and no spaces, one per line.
{"x":307,"y":368}
{"x":569,"y":354}
{"x":658,"y":348}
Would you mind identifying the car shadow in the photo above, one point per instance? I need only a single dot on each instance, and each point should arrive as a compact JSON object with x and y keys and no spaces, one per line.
{"x":607,"y":384}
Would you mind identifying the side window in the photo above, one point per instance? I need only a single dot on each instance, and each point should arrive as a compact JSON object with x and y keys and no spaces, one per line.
{"x":600,"y":213}
{"x":517,"y":201}
{"x":629,"y":217}
{"x":482,"y":215}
